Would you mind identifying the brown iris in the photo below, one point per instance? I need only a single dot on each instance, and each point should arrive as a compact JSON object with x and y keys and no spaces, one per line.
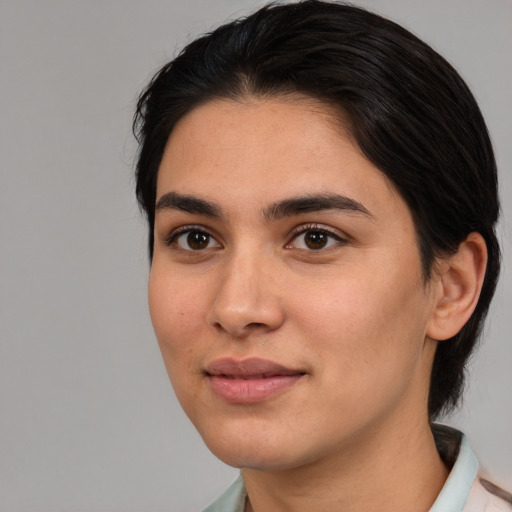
{"x":316,"y":239}
{"x":197,"y":240}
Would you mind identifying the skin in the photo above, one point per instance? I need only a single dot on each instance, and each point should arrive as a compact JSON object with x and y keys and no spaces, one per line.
{"x":355,"y":316}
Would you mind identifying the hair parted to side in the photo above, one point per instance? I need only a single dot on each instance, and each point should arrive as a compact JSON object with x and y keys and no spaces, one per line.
{"x":407,"y":108}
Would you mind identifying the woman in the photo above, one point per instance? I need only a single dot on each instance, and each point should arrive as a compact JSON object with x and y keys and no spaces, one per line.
{"x":321,"y":195}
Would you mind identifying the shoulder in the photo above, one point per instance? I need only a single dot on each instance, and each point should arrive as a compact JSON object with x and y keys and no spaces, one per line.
{"x":487,"y":497}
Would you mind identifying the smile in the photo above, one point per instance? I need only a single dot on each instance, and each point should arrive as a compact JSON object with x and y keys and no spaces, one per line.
{"x":251,"y":380}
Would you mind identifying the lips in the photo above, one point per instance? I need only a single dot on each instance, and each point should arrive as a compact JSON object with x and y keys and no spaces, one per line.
{"x":250,"y":380}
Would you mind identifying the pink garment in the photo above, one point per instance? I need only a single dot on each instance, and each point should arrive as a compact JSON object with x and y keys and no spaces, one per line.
{"x":483,"y":497}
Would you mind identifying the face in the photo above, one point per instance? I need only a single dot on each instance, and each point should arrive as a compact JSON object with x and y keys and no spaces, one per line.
{"x":286,"y":289}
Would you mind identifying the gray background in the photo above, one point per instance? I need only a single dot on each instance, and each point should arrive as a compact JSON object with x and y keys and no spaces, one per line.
{"x":88,"y":421}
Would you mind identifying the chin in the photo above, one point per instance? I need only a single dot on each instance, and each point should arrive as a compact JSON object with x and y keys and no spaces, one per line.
{"x":259,"y":451}
{"x":261,"y":460}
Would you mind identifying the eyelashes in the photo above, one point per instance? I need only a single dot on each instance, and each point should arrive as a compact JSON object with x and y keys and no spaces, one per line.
{"x":192,"y":238}
{"x":314,"y":237}
{"x":307,"y":238}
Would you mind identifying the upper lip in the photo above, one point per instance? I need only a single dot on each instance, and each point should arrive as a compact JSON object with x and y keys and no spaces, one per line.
{"x":248,"y":368}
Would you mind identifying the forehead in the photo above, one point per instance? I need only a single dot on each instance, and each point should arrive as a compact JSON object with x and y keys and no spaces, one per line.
{"x":266,"y":148}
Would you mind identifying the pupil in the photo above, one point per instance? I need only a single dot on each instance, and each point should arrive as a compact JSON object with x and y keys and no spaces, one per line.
{"x":316,"y":239}
{"x":197,"y":240}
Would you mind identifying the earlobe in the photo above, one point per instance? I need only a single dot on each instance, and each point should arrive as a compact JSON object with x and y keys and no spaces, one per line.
{"x":457,"y":291}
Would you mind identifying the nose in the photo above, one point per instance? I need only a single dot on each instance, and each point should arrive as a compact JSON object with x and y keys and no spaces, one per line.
{"x":248,"y":298}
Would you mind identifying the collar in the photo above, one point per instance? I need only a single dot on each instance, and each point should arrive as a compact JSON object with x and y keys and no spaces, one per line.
{"x":232,"y":500}
{"x":454,"y":448}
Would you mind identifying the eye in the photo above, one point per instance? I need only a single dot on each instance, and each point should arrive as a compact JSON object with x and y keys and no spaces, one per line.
{"x":314,"y":238}
{"x":192,"y":239}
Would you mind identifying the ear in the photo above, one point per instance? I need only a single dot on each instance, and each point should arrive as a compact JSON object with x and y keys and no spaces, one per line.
{"x":457,"y":288}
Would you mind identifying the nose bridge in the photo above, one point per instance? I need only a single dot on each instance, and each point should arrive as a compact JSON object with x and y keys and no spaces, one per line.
{"x":246,"y":297}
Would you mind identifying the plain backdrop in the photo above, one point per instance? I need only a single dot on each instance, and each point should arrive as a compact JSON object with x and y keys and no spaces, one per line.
{"x":88,"y":420}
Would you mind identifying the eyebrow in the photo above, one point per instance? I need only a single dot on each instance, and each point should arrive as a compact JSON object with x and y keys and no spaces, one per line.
{"x":313,"y":203}
{"x":186,"y":203}
{"x":275,"y":211}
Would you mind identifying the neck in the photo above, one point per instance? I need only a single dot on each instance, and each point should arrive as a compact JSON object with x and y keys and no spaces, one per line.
{"x":396,"y":468}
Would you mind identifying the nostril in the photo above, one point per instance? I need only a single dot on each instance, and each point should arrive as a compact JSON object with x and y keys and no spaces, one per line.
{"x":218,"y":326}
{"x":241,"y":330}
{"x":255,"y":324}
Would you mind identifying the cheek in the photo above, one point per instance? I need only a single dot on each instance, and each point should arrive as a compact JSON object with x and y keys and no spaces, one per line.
{"x":177,"y":316}
{"x":177,"y":310}
{"x":365,"y":325}
{"x":368,"y":343}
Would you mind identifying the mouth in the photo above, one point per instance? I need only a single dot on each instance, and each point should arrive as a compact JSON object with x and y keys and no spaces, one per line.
{"x":251,"y":380}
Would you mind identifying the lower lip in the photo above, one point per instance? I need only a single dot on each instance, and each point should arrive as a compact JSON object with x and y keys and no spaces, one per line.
{"x":248,"y":391}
